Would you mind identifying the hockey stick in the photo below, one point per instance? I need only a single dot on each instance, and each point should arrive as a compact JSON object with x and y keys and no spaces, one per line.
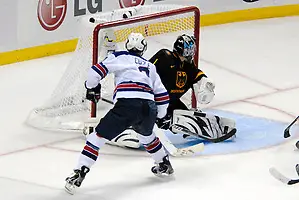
{"x":287,"y":130}
{"x":107,"y":100}
{"x":174,"y":151}
{"x":93,"y":114}
{"x":279,"y":176}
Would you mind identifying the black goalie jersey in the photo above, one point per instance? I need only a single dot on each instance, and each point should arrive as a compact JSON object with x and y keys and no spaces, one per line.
{"x":177,"y":76}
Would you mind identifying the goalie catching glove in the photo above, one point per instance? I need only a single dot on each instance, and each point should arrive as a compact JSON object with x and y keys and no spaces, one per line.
{"x":204,"y":90}
{"x":93,"y":94}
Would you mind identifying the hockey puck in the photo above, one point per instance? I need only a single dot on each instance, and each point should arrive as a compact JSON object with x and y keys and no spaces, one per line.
{"x":297,"y":144}
{"x":92,"y":20}
{"x":250,"y":1}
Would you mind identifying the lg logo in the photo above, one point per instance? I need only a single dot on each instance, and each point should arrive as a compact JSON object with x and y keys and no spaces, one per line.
{"x":51,"y":13}
{"x":130,"y":3}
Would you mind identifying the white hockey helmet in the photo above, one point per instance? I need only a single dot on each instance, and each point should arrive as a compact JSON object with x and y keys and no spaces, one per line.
{"x":136,"y":43}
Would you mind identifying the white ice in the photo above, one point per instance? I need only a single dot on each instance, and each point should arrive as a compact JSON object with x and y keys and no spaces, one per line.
{"x":255,"y":67}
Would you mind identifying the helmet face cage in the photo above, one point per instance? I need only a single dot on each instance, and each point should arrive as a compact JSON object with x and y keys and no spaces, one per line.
{"x":144,"y":43}
{"x":185,"y":46}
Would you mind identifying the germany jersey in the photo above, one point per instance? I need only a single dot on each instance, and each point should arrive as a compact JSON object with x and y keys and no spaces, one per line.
{"x":177,"y":76}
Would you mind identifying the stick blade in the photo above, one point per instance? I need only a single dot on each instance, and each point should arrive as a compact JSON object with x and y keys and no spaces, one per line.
{"x":287,"y":130}
{"x":172,"y":150}
{"x":292,"y":182}
{"x":191,"y":150}
{"x":286,"y":133}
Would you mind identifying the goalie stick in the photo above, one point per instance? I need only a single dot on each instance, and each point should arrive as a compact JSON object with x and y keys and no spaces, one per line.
{"x":174,"y":151}
{"x":287,"y":130}
{"x":184,"y":130}
{"x":279,"y":176}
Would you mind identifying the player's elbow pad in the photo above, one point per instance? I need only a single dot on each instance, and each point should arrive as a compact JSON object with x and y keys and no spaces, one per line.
{"x":204,"y":90}
{"x":93,"y":79}
{"x":162,"y":111}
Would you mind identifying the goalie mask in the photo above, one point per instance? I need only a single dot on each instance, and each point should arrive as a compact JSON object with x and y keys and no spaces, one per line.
{"x":136,"y":43}
{"x":185,"y":46}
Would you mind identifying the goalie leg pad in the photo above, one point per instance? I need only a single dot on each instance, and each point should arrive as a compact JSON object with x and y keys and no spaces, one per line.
{"x":199,"y":124}
{"x":128,"y":138}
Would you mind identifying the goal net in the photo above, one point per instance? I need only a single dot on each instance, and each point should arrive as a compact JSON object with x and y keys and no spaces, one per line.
{"x":67,"y":108}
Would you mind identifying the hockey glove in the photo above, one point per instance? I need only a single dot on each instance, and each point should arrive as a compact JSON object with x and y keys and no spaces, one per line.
{"x":164,"y":123}
{"x":204,"y":90}
{"x":93,"y":94}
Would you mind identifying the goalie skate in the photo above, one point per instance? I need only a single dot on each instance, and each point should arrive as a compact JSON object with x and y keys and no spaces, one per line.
{"x":75,"y":179}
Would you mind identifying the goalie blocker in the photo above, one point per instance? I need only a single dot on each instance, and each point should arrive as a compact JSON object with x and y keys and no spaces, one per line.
{"x":208,"y":127}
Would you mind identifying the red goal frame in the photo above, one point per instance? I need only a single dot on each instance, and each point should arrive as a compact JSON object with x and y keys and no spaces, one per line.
{"x":133,"y":20}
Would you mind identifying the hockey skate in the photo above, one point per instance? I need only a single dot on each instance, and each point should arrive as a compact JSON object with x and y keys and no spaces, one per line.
{"x":75,"y":179}
{"x":164,"y":168}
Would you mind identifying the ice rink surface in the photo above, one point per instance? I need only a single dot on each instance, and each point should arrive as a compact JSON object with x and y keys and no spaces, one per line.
{"x":255,"y":67}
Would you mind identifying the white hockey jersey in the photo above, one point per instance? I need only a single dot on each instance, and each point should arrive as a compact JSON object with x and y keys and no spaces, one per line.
{"x":135,"y":77}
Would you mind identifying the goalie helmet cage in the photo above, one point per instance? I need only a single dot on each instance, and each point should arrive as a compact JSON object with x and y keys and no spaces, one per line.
{"x":67,"y":108}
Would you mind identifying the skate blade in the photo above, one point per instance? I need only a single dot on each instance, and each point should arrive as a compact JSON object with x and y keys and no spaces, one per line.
{"x":69,"y":188}
{"x":163,"y":175}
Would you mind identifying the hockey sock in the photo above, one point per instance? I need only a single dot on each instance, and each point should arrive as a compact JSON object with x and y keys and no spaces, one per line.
{"x":90,"y":151}
{"x":153,"y":146}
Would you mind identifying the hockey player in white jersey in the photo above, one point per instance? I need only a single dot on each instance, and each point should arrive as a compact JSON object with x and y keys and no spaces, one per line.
{"x":139,"y":97}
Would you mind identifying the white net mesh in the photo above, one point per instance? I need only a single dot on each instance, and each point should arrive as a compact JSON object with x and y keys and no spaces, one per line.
{"x":67,"y":108}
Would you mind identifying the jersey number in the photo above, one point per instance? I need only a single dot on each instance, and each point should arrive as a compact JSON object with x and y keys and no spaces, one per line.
{"x":144,"y":69}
